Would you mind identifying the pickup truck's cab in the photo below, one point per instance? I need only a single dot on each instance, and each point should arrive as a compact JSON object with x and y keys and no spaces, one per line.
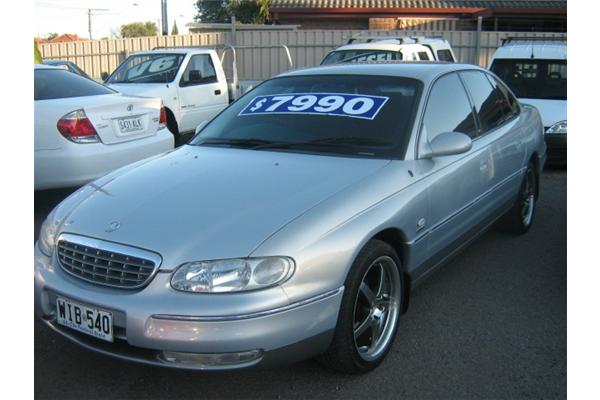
{"x":536,"y":71}
{"x":190,"y":82}
{"x":391,"y":49}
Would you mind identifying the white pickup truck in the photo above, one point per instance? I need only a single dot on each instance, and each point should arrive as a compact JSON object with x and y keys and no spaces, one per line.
{"x":191,"y":82}
{"x":391,"y":48}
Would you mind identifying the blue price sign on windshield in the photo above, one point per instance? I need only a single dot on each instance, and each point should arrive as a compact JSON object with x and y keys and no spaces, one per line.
{"x":342,"y":105}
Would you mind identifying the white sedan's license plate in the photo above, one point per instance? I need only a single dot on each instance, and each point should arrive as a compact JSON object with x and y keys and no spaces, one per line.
{"x":83,"y":318}
{"x":128,"y":125}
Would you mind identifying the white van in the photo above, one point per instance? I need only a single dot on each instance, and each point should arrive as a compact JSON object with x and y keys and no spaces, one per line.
{"x":384,"y":48}
{"x":536,"y":71}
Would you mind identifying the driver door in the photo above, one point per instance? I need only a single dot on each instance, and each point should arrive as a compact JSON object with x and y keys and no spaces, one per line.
{"x":455,"y":186}
{"x":201,"y":94}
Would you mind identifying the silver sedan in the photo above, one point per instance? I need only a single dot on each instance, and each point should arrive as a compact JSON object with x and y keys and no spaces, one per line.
{"x":295,"y":223}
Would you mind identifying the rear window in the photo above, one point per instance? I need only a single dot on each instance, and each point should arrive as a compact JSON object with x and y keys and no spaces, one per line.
{"x":59,"y":84}
{"x":491,"y":105}
{"x":533,"y":78}
{"x":445,"y":55}
{"x":423,"y":56}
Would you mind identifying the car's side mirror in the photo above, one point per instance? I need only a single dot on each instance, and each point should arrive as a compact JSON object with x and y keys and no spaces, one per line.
{"x":447,"y":144}
{"x":104,"y":76}
{"x":200,"y":126}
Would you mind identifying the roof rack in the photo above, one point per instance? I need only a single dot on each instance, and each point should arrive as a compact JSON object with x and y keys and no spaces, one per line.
{"x":534,"y":39}
{"x":401,"y":39}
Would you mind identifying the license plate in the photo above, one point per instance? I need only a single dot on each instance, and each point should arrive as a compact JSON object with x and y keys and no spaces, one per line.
{"x":128,"y":125}
{"x":84,"y":318}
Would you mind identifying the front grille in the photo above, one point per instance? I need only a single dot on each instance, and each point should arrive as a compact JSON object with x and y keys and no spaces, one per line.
{"x":94,"y":261}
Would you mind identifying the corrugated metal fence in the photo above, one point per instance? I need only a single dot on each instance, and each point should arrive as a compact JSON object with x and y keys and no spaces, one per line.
{"x":307,"y":48}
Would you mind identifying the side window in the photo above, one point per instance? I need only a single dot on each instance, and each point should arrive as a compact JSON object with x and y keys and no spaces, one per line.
{"x":448,"y":108}
{"x":423,"y":56}
{"x":199,"y":70}
{"x":513,"y":103}
{"x":489,"y":102}
{"x":445,"y":55}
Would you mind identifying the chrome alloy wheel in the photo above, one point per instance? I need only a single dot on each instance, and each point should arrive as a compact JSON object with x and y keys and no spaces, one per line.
{"x":528,"y":198}
{"x":377,"y":308}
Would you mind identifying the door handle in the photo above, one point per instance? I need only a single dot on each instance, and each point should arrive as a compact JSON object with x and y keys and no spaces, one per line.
{"x":217,"y":92}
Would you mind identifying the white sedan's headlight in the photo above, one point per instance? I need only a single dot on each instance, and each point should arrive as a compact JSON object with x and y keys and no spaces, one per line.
{"x":48,"y":231}
{"x":233,"y":275}
{"x":559,"y":127}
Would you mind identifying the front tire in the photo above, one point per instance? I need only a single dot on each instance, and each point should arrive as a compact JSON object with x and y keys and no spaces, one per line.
{"x":369,"y":313}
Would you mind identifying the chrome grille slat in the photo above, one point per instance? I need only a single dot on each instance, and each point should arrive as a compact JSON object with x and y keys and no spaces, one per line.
{"x":95,"y":275}
{"x":101,"y":266}
{"x":98,"y":256}
{"x":107,"y":267}
{"x":106,"y":263}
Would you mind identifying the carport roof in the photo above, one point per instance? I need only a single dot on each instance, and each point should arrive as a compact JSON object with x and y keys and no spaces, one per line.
{"x":415,"y":4}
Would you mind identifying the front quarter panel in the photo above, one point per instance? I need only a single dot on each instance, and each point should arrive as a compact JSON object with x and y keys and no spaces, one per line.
{"x":325,"y":241}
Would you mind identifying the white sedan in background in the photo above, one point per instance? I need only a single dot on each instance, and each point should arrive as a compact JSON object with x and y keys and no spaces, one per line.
{"x":84,"y":130}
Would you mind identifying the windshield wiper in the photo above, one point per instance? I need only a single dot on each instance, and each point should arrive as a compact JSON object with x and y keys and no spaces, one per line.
{"x":245,"y":143}
{"x":330,"y":141}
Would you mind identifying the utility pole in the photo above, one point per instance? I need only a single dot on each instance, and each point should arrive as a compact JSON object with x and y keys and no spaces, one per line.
{"x":165,"y":22}
{"x":90,"y":12}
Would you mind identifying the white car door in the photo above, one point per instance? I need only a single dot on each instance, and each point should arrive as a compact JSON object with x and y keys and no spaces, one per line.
{"x":202,"y":93}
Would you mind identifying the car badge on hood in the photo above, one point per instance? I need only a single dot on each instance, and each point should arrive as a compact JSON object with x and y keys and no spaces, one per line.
{"x":113,"y":226}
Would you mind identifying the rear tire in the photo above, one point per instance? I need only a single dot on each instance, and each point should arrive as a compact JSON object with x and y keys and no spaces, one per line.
{"x":519,"y":218}
{"x":369,"y":313}
{"x":173,"y":128}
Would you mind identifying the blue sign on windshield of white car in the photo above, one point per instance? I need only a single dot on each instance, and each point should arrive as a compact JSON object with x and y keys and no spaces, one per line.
{"x":338,"y":104}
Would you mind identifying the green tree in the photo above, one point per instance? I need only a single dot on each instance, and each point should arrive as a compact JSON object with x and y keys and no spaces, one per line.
{"x":51,"y":36}
{"x":175,"y":31}
{"x":245,"y":11}
{"x":212,"y":11}
{"x":37,"y":56}
{"x":137,"y":29}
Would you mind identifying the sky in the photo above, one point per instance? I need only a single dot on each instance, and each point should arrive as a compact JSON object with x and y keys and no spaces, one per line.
{"x":70,"y":16}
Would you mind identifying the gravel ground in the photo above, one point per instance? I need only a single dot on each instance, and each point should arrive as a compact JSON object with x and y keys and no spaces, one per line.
{"x":492,"y":324}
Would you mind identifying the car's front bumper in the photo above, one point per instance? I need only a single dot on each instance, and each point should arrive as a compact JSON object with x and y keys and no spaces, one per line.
{"x":147,"y":323}
{"x":557,"y":148}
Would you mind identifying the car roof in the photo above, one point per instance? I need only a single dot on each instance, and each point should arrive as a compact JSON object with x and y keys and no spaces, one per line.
{"x":551,"y":50}
{"x":391,"y":45}
{"x":421,"y":70}
{"x":56,"y":62}
{"x":178,"y":50}
{"x":45,"y":66}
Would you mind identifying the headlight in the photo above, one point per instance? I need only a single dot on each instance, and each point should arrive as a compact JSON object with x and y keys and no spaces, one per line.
{"x":234,"y":275}
{"x":559,"y":127}
{"x":47,"y":238}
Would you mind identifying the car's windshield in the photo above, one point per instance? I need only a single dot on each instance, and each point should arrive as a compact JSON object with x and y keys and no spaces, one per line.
{"x":345,"y":56}
{"x":358,"y":115}
{"x":147,"y":68}
{"x":534,"y":78}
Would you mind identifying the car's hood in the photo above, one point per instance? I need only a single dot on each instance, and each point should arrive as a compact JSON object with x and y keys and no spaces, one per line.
{"x":202,"y":203}
{"x":140,"y":89}
{"x":551,"y":111}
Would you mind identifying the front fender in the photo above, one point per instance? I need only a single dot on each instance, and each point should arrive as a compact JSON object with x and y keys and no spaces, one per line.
{"x":325,"y":241}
